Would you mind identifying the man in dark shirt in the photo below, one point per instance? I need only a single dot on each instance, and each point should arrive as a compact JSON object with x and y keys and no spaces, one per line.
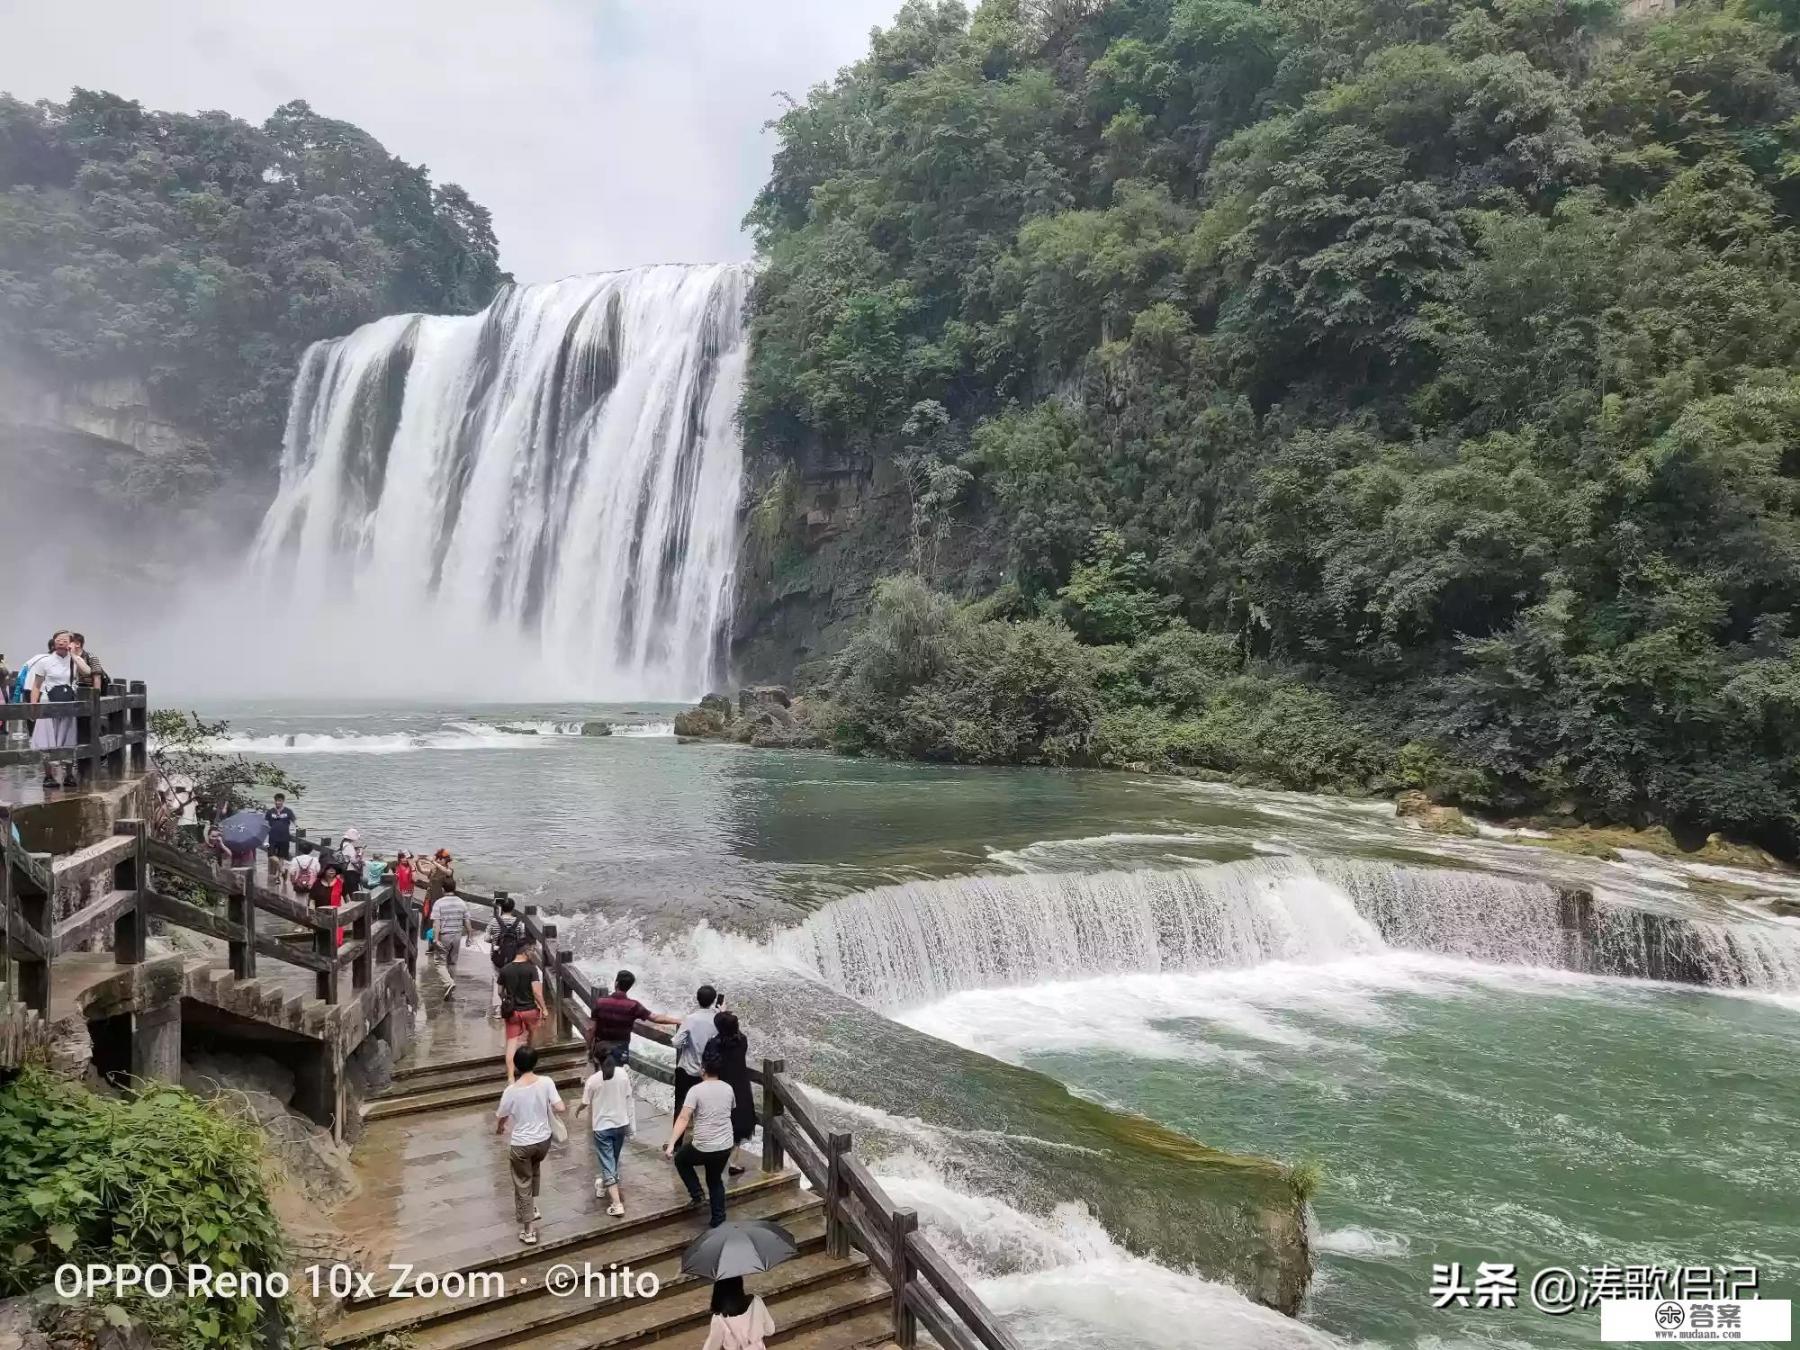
{"x":281,"y":833}
{"x":614,"y":1014}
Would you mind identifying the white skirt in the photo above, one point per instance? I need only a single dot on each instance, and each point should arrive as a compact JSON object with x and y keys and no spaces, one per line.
{"x":53,"y":733}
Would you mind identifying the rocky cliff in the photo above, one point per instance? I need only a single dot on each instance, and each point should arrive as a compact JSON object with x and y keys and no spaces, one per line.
{"x":115,"y":411}
{"x":821,"y":524}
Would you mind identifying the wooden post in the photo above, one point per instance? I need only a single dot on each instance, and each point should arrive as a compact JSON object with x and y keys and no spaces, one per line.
{"x":131,"y":930}
{"x":325,"y":945}
{"x":87,"y":732}
{"x":138,"y":721}
{"x":113,"y":724}
{"x":156,"y":1043}
{"x":362,"y":972}
{"x":552,"y":977}
{"x":837,"y":1232}
{"x":906,"y":1326}
{"x":36,"y":909}
{"x":772,"y":1159}
{"x":8,"y":985}
{"x":241,"y":910}
{"x":564,"y":959}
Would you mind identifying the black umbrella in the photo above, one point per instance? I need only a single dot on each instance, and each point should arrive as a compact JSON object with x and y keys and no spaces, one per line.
{"x":244,"y":829}
{"x":738,"y":1249}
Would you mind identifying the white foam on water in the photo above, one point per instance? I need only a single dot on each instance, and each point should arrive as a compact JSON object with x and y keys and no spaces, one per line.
{"x":1154,"y":1016}
{"x":1061,"y":1283}
{"x":1361,"y":1242}
{"x":391,"y":743}
{"x":643,"y":729}
{"x":937,"y":1140}
{"x":520,"y":734}
{"x":1053,"y":854}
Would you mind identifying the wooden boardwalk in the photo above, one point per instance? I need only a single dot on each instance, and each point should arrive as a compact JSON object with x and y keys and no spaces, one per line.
{"x":434,"y":1192}
{"x":436,"y":1196}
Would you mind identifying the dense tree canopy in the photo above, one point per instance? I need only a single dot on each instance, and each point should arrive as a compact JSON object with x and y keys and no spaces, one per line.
{"x":1437,"y":355}
{"x":202,"y":254}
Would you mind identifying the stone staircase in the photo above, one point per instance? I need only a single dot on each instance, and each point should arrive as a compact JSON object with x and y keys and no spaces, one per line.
{"x":817,"y":1301}
{"x":419,"y":1088}
{"x":433,"y":1182}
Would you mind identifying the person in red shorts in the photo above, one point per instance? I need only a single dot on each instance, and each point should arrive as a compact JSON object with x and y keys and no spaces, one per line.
{"x":521,"y":1002}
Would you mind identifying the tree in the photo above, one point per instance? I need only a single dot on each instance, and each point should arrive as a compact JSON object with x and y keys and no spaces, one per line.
{"x":1431,"y":363}
{"x":201,"y":254}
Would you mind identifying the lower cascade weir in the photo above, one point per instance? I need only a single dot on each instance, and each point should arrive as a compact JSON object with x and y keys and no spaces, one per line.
{"x":907,"y":944}
{"x":558,"y":476}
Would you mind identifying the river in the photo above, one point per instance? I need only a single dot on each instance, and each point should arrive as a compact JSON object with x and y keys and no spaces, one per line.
{"x":1272,"y":973}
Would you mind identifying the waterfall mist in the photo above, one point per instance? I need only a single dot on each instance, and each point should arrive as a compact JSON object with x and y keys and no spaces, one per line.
{"x":538,"y":500}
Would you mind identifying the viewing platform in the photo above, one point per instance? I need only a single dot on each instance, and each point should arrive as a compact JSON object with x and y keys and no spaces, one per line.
{"x":264,"y":971}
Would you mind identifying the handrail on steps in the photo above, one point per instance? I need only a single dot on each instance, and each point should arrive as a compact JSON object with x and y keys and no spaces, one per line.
{"x":385,"y":927}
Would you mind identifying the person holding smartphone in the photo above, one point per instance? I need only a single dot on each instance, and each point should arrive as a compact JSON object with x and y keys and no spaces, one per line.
{"x":54,"y":676}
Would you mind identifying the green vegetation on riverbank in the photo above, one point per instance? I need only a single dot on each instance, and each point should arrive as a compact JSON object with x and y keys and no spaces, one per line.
{"x":157,"y":1178}
{"x":201,"y":254}
{"x":1363,"y":393}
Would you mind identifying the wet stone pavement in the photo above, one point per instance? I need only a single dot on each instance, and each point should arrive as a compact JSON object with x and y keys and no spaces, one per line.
{"x":436,"y":1190}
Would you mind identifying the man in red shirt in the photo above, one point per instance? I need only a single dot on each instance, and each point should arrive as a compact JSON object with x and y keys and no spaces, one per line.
{"x":614,"y":1014}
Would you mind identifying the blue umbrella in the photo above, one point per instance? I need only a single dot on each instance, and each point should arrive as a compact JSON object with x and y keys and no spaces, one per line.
{"x":244,"y":830}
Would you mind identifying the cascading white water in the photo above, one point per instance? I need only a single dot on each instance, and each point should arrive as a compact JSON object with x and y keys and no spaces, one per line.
{"x":539,"y":499}
{"x":902,"y":945}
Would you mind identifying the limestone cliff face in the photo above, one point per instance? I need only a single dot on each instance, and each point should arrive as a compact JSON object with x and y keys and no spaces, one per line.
{"x":116,"y":410}
{"x":821,"y":525}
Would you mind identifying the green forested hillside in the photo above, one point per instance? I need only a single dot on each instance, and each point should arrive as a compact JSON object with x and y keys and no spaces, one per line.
{"x":1379,"y":393}
{"x":202,"y":254}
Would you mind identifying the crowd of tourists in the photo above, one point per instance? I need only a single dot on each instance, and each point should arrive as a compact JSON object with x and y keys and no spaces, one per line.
{"x":714,"y":1109}
{"x":53,"y":676}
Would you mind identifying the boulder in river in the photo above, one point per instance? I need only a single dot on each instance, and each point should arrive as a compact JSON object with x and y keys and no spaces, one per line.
{"x":702,"y":723}
{"x":596,"y":729}
{"x":1416,"y":809}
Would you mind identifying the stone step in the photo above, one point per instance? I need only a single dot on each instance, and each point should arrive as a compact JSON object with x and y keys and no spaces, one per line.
{"x":440,"y":1099}
{"x":683,"y":1302}
{"x":420,"y":1070}
{"x":554,"y":1060}
{"x":872,"y":1327}
{"x":809,"y":1292}
{"x":638,"y":1242}
{"x":494,"y":1247}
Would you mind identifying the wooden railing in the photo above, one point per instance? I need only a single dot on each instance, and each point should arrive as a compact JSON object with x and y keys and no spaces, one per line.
{"x":112,"y":731}
{"x":927,"y":1291}
{"x":378,"y":928}
{"x":386,"y":927}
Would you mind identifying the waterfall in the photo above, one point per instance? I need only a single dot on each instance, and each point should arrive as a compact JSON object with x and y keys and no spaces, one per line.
{"x":540,"y":499}
{"x":902,"y":945}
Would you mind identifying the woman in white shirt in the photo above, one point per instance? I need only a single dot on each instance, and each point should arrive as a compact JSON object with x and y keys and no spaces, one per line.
{"x":53,"y":680}
{"x":606,"y":1097}
{"x":739,"y":1322}
{"x":529,"y":1105}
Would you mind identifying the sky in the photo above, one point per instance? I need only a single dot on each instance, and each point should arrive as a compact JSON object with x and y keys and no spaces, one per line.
{"x":601,"y":133}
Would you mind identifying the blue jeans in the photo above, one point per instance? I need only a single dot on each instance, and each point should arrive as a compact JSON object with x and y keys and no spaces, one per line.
{"x":609,"y":1148}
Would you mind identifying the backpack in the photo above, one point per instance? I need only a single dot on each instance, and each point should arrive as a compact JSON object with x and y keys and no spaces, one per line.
{"x":508,"y":938}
